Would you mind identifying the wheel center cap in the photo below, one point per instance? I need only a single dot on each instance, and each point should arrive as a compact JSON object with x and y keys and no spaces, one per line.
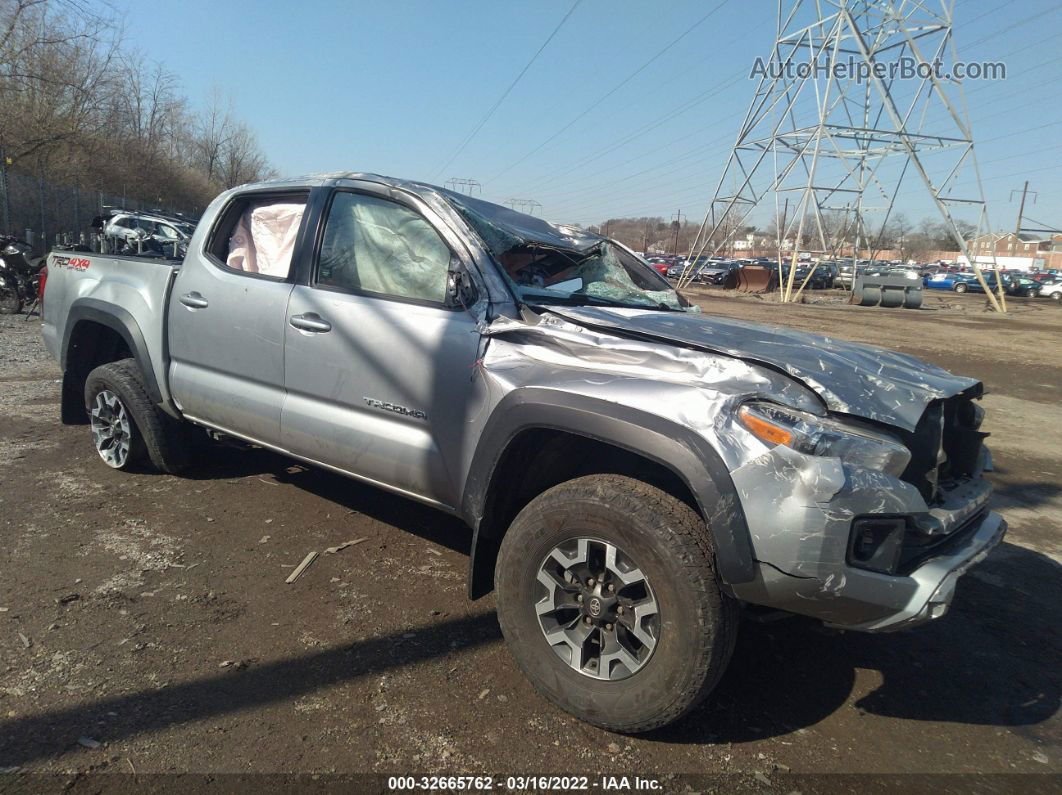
{"x":594,"y":607}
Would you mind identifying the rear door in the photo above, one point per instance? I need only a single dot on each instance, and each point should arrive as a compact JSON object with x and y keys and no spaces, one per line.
{"x":379,"y":364}
{"x":227,"y":316}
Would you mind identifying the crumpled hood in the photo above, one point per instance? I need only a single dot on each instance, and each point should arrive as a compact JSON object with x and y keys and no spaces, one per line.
{"x":851,"y":378}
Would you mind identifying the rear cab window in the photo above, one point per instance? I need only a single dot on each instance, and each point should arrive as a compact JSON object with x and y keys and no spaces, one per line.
{"x":256,"y":233}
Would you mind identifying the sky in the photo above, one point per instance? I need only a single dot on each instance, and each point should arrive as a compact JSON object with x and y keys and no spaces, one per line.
{"x":629,"y":110}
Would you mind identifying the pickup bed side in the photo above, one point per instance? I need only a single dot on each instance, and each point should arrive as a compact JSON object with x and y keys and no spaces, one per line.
{"x":100,"y":308}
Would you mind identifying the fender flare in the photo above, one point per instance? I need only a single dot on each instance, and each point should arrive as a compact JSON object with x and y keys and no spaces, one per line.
{"x":121,"y":321}
{"x":669,"y":444}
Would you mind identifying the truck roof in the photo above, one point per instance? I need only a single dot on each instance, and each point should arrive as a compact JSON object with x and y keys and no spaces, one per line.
{"x":501,"y":228}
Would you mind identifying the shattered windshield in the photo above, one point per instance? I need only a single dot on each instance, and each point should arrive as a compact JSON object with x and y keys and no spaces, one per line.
{"x":553,"y":263}
{"x":605,"y":274}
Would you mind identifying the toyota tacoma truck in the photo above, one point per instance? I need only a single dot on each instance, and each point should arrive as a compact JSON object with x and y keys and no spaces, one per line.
{"x":634,"y":471}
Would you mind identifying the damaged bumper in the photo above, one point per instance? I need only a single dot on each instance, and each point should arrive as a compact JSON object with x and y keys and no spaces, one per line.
{"x":935,"y":580}
{"x":806,"y":516}
{"x":873,"y":602}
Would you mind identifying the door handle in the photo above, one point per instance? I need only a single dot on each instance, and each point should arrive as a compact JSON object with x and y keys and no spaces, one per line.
{"x":194,"y":300}
{"x":311,"y":321}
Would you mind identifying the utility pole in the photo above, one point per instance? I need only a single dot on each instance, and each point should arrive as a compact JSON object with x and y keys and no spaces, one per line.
{"x":645,"y":238}
{"x":677,"y":220}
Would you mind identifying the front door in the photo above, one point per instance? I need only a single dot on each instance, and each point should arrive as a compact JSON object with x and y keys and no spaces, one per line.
{"x":379,"y":365}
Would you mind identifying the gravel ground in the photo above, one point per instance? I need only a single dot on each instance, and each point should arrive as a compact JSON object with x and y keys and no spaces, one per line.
{"x":149,"y":614}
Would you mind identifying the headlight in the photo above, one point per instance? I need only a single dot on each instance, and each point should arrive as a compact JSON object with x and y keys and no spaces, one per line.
{"x":811,"y":435}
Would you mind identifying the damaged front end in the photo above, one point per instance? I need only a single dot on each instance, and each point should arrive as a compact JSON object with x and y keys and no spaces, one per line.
{"x":863,"y":523}
{"x":858,"y":470}
{"x":866,"y":547}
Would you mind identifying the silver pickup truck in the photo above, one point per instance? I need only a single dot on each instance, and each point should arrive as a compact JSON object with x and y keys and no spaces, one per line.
{"x":633,"y":471}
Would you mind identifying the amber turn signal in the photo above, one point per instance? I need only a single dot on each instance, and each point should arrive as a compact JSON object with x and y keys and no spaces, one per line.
{"x":765,"y":430}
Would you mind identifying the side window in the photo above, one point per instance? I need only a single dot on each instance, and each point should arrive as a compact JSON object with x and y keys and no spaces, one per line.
{"x":378,"y":246}
{"x":257,"y":234}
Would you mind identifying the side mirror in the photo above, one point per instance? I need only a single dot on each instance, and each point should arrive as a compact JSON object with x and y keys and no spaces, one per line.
{"x":459,"y":287}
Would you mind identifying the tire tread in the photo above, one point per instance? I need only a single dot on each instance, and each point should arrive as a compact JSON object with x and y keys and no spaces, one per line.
{"x":165,"y":439}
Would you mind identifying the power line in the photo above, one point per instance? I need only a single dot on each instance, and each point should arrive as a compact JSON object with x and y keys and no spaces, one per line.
{"x":645,"y":129}
{"x":649,"y":126}
{"x":664,"y":148}
{"x":612,"y":91}
{"x":486,"y":116}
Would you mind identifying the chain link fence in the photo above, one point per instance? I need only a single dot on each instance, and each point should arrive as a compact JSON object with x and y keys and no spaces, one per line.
{"x":45,"y":214}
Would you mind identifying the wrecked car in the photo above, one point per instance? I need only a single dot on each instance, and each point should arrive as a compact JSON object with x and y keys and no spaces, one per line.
{"x":633,"y":470}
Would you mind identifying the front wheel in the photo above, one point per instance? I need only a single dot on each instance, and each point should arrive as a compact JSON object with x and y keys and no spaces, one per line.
{"x":608,"y":598}
{"x":961,"y":288}
{"x":1057,"y":296}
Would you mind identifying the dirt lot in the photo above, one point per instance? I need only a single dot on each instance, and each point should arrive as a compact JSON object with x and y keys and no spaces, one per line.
{"x":149,"y":613}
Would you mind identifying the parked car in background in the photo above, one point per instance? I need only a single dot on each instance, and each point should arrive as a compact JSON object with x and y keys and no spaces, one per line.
{"x":1021,"y":286}
{"x":716,"y":271}
{"x":130,"y":232}
{"x":946,"y":280}
{"x":1050,"y":273}
{"x":1051,"y":289}
{"x":846,"y":273}
{"x":660,"y":265}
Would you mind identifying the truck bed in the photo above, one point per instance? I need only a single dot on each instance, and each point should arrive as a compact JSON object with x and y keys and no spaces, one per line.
{"x":110,"y":289}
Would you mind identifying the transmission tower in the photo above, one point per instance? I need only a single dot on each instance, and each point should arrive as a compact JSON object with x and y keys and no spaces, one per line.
{"x":462,"y":185}
{"x":855,"y":99}
{"x":529,"y":206}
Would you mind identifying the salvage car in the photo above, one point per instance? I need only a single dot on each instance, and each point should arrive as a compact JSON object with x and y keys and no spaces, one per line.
{"x":129,"y":231}
{"x":633,"y":470}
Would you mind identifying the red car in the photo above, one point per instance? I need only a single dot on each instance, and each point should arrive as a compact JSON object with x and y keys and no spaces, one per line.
{"x":659,"y":265}
{"x":1045,"y":275}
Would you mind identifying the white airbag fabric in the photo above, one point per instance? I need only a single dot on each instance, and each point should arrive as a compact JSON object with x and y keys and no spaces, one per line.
{"x":264,"y":239}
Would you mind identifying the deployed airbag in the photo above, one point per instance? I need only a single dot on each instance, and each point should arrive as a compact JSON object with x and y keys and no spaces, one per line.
{"x":264,"y":238}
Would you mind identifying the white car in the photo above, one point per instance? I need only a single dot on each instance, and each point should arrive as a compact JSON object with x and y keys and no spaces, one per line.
{"x":1051,"y":290}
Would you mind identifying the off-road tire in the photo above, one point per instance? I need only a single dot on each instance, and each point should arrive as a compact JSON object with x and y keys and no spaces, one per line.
{"x":162,"y":439}
{"x":671,"y":544}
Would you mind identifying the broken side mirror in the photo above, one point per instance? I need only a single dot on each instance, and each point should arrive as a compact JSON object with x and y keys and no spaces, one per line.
{"x":460,"y":289}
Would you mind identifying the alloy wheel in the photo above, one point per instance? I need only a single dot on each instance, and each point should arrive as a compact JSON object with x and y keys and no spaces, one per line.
{"x":111,"y":429}
{"x":597,"y":610}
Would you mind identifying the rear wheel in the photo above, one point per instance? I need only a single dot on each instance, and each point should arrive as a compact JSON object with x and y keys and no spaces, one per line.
{"x":127,"y":426}
{"x":607,"y":596}
{"x":961,"y":288}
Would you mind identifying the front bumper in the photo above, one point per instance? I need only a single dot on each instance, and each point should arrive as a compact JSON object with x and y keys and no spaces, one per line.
{"x":800,"y":520}
{"x":935,"y":580}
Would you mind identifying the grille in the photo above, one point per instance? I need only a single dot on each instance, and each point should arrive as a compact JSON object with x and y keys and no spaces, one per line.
{"x":945,"y":445}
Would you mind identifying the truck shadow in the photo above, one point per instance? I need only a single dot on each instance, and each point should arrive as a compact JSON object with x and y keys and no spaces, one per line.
{"x":408,"y":515}
{"x":992,"y":661}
